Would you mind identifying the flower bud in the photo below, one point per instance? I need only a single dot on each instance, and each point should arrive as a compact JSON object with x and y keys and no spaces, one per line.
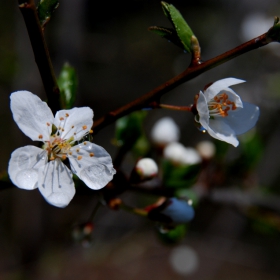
{"x":172,"y":211}
{"x":179,"y":154}
{"x":165,"y":131}
{"x":206,"y":149}
{"x":146,"y":168}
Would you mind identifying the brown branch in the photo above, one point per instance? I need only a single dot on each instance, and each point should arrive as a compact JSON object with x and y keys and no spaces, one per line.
{"x":41,"y":53}
{"x":191,"y":72}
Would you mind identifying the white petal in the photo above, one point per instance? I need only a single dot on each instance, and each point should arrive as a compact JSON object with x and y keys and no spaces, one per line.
{"x":24,"y":165}
{"x":243,"y":119}
{"x":220,"y":85}
{"x":32,"y":115}
{"x":95,"y":170}
{"x":203,"y":111}
{"x":222,"y":131}
{"x":76,"y":120}
{"x":56,"y":184}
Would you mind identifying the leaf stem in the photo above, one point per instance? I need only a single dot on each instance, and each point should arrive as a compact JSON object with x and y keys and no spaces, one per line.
{"x":41,"y":53}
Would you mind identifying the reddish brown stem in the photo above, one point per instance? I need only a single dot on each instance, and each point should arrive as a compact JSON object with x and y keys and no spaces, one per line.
{"x":191,"y":72}
{"x":176,"y":108}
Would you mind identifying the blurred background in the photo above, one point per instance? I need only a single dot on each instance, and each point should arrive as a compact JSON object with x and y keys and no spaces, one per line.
{"x":235,"y":233}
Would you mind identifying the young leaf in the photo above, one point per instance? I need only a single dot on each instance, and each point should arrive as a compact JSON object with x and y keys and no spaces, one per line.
{"x":45,"y":10}
{"x":167,"y":33}
{"x":179,"y":176}
{"x":129,"y":128}
{"x":183,"y":30}
{"x":67,"y":82}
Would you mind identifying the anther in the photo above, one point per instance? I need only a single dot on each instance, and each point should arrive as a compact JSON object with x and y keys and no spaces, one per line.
{"x":91,"y":131}
{"x":78,"y":150}
{"x":84,"y":127}
{"x":79,"y":157}
{"x":67,"y":115}
{"x":91,"y":154}
{"x":40,"y":136}
{"x":85,"y":143}
{"x":61,"y":118}
{"x":48,"y":124}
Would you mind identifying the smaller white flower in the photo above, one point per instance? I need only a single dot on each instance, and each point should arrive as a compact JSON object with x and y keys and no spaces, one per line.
{"x":179,"y":154}
{"x":222,"y":113}
{"x":31,"y":167}
{"x":146,"y":168}
{"x":206,"y":149}
{"x":165,"y":131}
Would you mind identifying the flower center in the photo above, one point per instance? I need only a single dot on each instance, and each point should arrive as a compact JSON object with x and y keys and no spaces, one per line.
{"x":58,"y":147}
{"x":220,"y":105}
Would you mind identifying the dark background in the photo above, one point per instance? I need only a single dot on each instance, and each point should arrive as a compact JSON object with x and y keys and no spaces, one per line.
{"x":118,"y":60}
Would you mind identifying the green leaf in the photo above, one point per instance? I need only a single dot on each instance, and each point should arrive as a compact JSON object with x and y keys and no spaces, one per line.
{"x":67,"y":82}
{"x":141,"y":147}
{"x":183,"y":30}
{"x":167,"y":33}
{"x":179,"y":176}
{"x":173,"y":236}
{"x":129,"y":128}
{"x":45,"y":10}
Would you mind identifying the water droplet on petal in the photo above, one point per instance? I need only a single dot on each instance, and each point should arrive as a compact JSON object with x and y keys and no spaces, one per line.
{"x":94,"y":176}
{"x":58,"y":199}
{"x":27,"y":179}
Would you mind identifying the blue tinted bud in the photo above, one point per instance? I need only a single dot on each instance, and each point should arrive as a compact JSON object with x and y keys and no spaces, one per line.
{"x":179,"y":211}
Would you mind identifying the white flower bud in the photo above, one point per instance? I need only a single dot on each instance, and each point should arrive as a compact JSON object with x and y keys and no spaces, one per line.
{"x":206,"y":149}
{"x":165,"y":131}
{"x":178,"y":153}
{"x":146,"y":168}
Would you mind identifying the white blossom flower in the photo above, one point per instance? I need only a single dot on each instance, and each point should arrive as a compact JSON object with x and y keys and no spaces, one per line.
{"x":43,"y":168}
{"x":165,"y":131}
{"x":222,"y":113}
{"x":179,"y":154}
{"x":206,"y":149}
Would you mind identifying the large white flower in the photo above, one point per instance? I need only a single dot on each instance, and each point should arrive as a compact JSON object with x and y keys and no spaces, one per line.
{"x":222,"y":113}
{"x":31,"y":167}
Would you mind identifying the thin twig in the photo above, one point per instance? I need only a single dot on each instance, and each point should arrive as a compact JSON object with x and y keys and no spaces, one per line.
{"x":191,"y":72}
{"x":41,"y":53}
